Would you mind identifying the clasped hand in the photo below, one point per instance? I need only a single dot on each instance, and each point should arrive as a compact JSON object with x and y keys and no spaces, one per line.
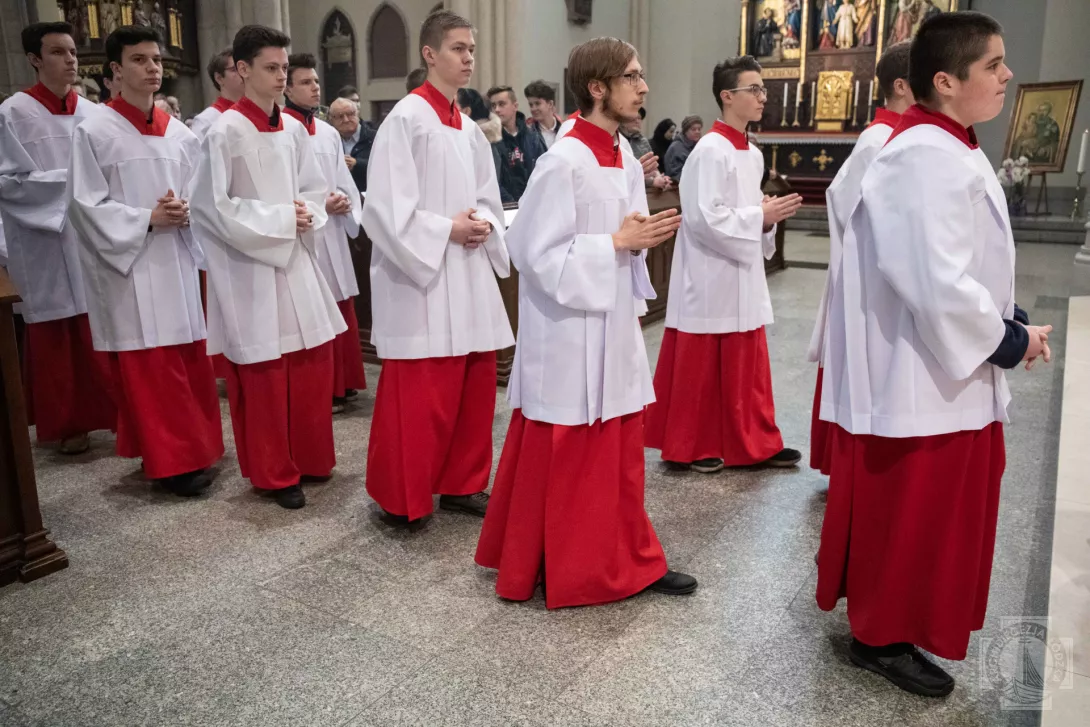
{"x":170,"y":211}
{"x":639,"y":232}
{"x":468,"y":230}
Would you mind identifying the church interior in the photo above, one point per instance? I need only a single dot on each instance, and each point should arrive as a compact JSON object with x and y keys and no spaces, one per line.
{"x":122,"y":605}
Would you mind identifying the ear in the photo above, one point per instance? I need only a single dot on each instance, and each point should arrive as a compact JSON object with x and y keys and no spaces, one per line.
{"x":724,"y":96}
{"x":597,"y":90}
{"x":35,"y":61}
{"x":945,"y":84}
{"x":428,"y":54}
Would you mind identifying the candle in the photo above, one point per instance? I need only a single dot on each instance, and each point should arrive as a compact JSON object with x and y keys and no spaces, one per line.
{"x":1081,"y":168}
{"x":786,"y":93}
{"x":798,"y":98}
{"x":813,"y":103}
{"x":870,"y":99}
{"x":855,"y":113}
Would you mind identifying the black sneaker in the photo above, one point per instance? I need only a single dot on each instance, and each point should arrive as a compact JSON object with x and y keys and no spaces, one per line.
{"x":784,"y":458}
{"x":291,"y":498}
{"x":351,"y":393}
{"x":189,"y":484}
{"x":475,"y":504}
{"x":903,"y":665}
{"x":338,"y":404}
{"x":707,"y":466}
{"x":674,"y":584}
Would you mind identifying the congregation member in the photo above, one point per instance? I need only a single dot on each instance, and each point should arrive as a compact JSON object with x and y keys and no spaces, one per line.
{"x":228,"y":84}
{"x":520,"y":146}
{"x":713,"y":383}
{"x":545,"y":121}
{"x":692,"y":127}
{"x":568,"y":500}
{"x":357,"y":138}
{"x":434,"y":216}
{"x":67,"y":383}
{"x":131,"y":168}
{"x":259,"y":202}
{"x":342,"y":204}
{"x":841,"y":198}
{"x":921,"y":326}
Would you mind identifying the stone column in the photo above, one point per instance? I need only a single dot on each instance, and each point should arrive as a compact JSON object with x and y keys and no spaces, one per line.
{"x":213,"y":35}
{"x":15,"y":71}
{"x":1082,"y":257}
{"x":484,"y":76}
{"x":267,"y":12}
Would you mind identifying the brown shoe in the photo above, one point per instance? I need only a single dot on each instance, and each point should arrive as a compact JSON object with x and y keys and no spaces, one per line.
{"x":76,"y":445}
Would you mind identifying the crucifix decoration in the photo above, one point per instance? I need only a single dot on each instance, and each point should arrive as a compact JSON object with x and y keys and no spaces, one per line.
{"x":823,"y":160}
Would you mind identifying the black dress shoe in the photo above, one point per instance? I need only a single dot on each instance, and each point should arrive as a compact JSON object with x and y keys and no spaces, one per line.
{"x":351,"y":393}
{"x":674,"y":584}
{"x":314,"y":479}
{"x":475,"y":504}
{"x":291,"y":498}
{"x":707,"y":466}
{"x":338,"y":404}
{"x":905,"y":666}
{"x":395,"y":519}
{"x":189,"y":484}
{"x":784,"y":458}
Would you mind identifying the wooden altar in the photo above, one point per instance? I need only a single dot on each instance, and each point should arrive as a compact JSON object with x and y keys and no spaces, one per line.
{"x":26,"y":552}
{"x":658,"y":265}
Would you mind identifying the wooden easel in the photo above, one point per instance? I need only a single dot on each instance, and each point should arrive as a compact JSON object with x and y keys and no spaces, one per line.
{"x":1042,"y":191}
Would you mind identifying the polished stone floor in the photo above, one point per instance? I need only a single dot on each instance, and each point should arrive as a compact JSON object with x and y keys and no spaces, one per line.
{"x":228,"y":610}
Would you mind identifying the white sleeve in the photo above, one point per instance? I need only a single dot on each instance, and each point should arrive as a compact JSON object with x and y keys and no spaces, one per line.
{"x":924,"y":249}
{"x":261,"y":230}
{"x":641,"y":278}
{"x":116,"y":231}
{"x":489,"y":206}
{"x":709,"y":203}
{"x":347,"y":186}
{"x":35,"y":199}
{"x":576,"y":270}
{"x":313,"y":187}
{"x":413,"y":239}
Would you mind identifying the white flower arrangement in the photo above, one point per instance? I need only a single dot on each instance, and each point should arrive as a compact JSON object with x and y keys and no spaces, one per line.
{"x":1013,"y":172}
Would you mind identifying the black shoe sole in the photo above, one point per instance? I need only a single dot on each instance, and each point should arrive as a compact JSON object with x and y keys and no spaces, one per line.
{"x":707,"y":469}
{"x":462,"y":509}
{"x":910,"y":687}
{"x":781,"y":462}
{"x":291,"y":505}
{"x":674,"y":591}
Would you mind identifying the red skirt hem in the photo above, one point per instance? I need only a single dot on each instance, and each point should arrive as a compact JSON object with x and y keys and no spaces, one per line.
{"x":821,"y":433}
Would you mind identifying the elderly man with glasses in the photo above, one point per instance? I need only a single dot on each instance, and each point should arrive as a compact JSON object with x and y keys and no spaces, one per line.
{"x":356,"y":138}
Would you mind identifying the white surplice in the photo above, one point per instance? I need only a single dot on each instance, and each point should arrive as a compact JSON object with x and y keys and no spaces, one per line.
{"x":334,"y":255}
{"x":204,"y":121}
{"x":431,"y":297}
{"x":266,"y":295}
{"x":142,"y":287}
{"x":717,"y":279}
{"x":43,"y":252}
{"x":841,"y":198}
{"x":580,"y":355}
{"x":926,"y":279}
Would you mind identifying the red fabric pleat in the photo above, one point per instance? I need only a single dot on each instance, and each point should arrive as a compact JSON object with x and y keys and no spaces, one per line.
{"x":282,"y":416}
{"x":68,"y":385}
{"x":431,"y":432}
{"x":713,"y":398}
{"x":821,"y":434}
{"x":568,"y":504}
{"x":909,"y":534}
{"x":220,"y":364}
{"x":347,"y":354}
{"x":168,"y":411}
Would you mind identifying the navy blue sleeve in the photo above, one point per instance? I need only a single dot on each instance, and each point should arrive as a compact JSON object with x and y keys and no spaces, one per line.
{"x":1013,"y":346}
{"x":1020,"y":315}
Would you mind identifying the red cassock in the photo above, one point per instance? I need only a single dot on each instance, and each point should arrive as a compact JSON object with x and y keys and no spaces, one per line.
{"x":280,"y":413}
{"x":168,"y":411}
{"x":909,"y":534}
{"x":347,"y":354}
{"x":68,"y":385}
{"x":220,"y":364}
{"x":568,"y":506}
{"x":821,"y":433}
{"x":431,"y":433}
{"x":713,"y":398}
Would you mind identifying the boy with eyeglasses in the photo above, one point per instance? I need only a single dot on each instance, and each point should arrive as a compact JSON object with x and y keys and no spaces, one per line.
{"x":713,"y":384}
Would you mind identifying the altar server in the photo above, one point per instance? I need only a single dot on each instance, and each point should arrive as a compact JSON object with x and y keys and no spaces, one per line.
{"x":258,"y":200}
{"x":224,"y":76}
{"x":434,"y":215}
{"x":342,"y":204}
{"x":920,"y":327}
{"x":568,"y":499}
{"x":67,"y":384}
{"x":131,"y":166}
{"x":841,"y":198}
{"x":713,"y":383}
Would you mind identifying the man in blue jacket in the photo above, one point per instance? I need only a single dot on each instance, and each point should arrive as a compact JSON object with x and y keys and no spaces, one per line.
{"x":520,"y":147}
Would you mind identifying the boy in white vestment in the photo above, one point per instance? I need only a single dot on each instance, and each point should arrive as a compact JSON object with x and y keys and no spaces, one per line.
{"x":258,"y":198}
{"x":921,"y":325}
{"x":713,"y":384}
{"x":224,"y":76}
{"x":67,"y":383}
{"x":131,"y":167}
{"x":568,"y":498}
{"x":434,"y":216}
{"x":342,"y":204}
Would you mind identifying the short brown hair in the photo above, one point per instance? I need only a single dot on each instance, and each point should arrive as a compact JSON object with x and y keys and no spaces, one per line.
{"x":948,"y":43}
{"x":501,"y":89}
{"x":600,"y":59}
{"x":725,"y":76}
{"x":893,"y":65}
{"x":300,"y":61}
{"x":216,"y":66}
{"x":437,"y":25}
{"x":541,"y":90}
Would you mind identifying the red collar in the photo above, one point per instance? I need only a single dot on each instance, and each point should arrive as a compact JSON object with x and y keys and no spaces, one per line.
{"x":312,"y":129}
{"x":448,"y":111}
{"x":574,"y":115}
{"x":917,"y":115}
{"x":884,"y":116}
{"x":57,"y":106}
{"x":261,"y":121}
{"x":221,"y":104}
{"x":159,"y":118}
{"x":599,"y":141}
{"x":735,"y":137}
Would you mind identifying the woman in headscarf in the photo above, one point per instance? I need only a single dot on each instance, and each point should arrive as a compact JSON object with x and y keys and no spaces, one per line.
{"x":660,"y":141}
{"x":682,"y":146}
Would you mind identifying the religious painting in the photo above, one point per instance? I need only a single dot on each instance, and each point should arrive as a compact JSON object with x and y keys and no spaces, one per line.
{"x":844,"y":24}
{"x":904,"y":17}
{"x":1041,"y":124}
{"x":773,"y":31}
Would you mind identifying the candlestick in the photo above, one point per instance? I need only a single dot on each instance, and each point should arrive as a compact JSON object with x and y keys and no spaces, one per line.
{"x":798,"y":100}
{"x":786,"y":93}
{"x":870,"y":100}
{"x":1081,"y":168}
{"x":813,"y":104}
{"x":1076,"y":210}
{"x":855,"y":111}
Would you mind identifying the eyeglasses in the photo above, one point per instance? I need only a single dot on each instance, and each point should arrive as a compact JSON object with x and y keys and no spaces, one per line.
{"x":756,"y":89}
{"x":342,"y":116}
{"x":635,"y":78}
